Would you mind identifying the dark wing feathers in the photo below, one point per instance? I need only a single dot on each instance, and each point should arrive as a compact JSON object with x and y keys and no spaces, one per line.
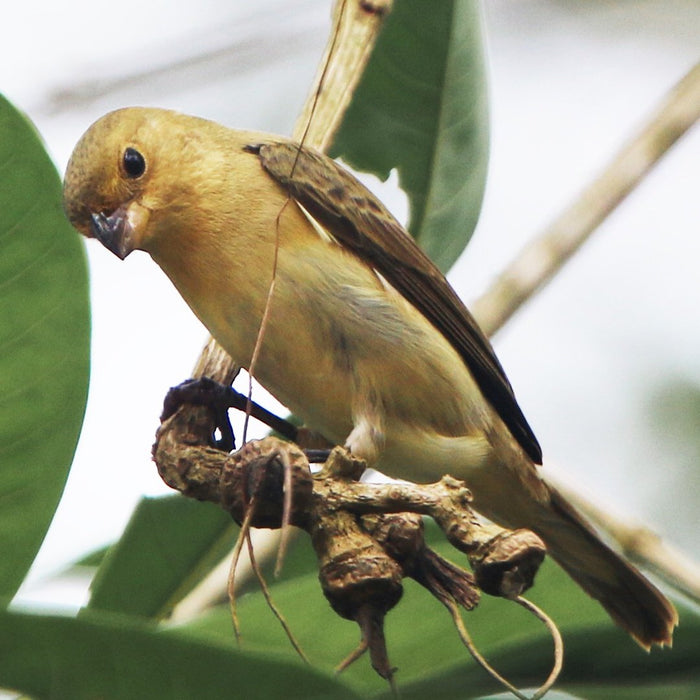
{"x":362,"y":224}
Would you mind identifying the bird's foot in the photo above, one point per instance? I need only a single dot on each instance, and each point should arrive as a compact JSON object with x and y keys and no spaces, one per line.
{"x":215,"y":396}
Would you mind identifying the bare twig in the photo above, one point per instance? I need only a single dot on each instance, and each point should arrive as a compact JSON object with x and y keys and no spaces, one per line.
{"x":542,"y":258}
{"x":357,"y":26}
{"x":271,"y":603}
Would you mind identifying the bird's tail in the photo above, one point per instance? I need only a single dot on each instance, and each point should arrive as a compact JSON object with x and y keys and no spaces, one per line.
{"x":630,"y":599}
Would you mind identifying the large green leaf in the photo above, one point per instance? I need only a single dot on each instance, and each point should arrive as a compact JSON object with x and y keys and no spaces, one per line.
{"x":421,"y":108}
{"x":168,"y":546}
{"x":44,"y":344}
{"x":112,"y":658}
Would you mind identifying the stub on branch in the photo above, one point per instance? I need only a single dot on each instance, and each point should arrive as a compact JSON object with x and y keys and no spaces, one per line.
{"x":367,"y":537}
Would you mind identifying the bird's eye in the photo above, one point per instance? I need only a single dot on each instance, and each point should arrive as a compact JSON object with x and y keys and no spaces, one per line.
{"x":134,"y":163}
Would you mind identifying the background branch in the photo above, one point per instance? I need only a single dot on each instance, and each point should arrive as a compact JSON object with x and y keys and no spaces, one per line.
{"x":543,"y":257}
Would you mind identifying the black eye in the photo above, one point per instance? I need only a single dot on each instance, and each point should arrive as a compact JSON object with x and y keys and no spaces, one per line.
{"x":134,"y":163}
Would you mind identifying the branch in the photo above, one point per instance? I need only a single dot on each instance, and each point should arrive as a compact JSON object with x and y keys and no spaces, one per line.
{"x":367,"y":537}
{"x":542,"y":258}
{"x":356,"y":28}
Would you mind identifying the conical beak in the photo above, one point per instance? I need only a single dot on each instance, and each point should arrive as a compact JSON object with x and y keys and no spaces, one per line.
{"x":114,"y":232}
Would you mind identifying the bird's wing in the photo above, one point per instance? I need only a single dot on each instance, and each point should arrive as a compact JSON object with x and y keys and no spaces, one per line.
{"x":357,"y":220}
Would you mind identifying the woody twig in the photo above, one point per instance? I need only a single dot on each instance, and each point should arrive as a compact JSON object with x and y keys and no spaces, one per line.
{"x":367,"y":537}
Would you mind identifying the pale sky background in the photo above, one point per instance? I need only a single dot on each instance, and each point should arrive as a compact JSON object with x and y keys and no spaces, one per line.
{"x":570,"y":82}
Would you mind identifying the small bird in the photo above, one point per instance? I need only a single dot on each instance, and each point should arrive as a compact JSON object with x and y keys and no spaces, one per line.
{"x":364,"y":338}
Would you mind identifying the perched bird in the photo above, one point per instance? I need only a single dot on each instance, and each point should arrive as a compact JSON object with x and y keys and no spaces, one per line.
{"x":364,"y":338}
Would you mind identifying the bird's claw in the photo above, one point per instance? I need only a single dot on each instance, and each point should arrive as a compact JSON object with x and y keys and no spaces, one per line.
{"x":204,"y":391}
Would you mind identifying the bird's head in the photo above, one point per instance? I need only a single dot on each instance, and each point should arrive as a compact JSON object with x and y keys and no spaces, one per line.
{"x":119,"y":177}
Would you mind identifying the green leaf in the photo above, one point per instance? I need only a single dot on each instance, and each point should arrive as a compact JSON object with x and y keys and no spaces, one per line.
{"x":107,"y":657}
{"x":44,"y":344}
{"x":92,"y":559}
{"x":677,"y":690}
{"x":600,"y":663}
{"x":168,"y":546}
{"x":421,"y":108}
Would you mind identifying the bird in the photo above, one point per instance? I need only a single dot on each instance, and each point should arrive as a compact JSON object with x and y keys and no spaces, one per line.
{"x":364,"y":339}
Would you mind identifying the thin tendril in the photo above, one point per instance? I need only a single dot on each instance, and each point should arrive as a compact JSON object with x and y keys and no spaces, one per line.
{"x":231,"y":588}
{"x":263,"y":324}
{"x":286,"y":512}
{"x":469,"y":644}
{"x":275,"y":611}
{"x":321,"y":81}
{"x":540,"y":615}
{"x":556,"y":638}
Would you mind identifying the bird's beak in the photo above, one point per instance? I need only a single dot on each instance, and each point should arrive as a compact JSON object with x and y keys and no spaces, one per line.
{"x":115,"y":231}
{"x":123,"y":230}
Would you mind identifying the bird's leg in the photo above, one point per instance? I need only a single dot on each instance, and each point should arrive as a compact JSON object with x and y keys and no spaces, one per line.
{"x":203,"y":392}
{"x":219,"y":398}
{"x":317,"y":456}
{"x":366,"y":439}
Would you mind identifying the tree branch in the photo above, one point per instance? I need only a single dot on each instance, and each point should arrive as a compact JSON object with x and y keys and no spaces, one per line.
{"x":544,"y":256}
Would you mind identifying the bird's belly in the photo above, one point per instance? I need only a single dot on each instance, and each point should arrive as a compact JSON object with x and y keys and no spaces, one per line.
{"x":343,"y":347}
{"x":339,"y":347}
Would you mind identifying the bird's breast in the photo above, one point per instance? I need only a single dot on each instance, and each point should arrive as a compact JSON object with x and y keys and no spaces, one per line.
{"x":332,"y":335}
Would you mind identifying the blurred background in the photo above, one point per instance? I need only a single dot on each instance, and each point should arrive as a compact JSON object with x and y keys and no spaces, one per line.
{"x":605,"y":361}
